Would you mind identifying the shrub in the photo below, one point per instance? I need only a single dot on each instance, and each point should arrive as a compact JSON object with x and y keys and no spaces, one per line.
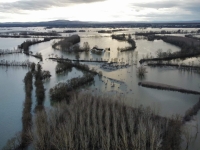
{"x":141,"y":71}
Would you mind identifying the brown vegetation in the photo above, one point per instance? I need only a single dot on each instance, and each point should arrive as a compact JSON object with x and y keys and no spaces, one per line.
{"x":122,"y":37}
{"x":27,"y":116}
{"x":32,"y":67}
{"x":189,"y":48}
{"x":67,"y":63}
{"x":66,"y":43}
{"x":62,"y":67}
{"x":38,"y":55}
{"x":141,"y":72}
{"x":110,"y":31}
{"x":94,"y":122}
{"x":69,"y":31}
{"x":147,"y":33}
{"x":39,"y":34}
{"x":89,"y":60}
{"x":40,"y":91}
{"x":191,"y":112}
{"x":179,"y":41}
{"x":6,"y":51}
{"x":183,"y":67}
{"x":25,"y":45}
{"x":62,"y":91}
{"x":81,"y":31}
{"x":167,"y":87}
{"x":15,"y":64}
{"x":40,"y":74}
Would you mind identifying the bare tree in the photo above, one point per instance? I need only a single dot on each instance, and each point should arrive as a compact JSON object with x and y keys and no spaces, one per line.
{"x":86,"y":46}
{"x":159,"y":53}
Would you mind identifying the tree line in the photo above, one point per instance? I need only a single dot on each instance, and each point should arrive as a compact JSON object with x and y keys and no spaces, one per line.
{"x":130,"y":40}
{"x":100,"y":122}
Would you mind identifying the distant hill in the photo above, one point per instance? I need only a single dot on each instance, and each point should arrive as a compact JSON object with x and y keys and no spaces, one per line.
{"x":118,"y":24}
{"x":62,"y":22}
{"x":44,"y":23}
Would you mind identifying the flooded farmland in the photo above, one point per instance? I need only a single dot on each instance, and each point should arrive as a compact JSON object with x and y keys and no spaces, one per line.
{"x":125,"y":80}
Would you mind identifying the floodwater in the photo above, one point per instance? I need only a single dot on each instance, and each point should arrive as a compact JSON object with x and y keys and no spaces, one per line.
{"x":126,"y":81}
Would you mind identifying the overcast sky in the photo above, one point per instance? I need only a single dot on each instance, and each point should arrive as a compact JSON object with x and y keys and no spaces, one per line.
{"x":99,"y":10}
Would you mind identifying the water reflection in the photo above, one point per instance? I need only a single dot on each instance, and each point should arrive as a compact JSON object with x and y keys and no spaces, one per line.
{"x":125,"y":80}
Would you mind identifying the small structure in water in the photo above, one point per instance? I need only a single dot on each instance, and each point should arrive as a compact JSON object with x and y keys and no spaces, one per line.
{"x":95,"y":49}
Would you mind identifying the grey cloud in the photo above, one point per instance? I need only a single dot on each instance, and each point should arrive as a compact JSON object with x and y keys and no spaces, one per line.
{"x":182,"y":4}
{"x":39,"y":4}
{"x":186,"y":9}
{"x":172,"y":17}
{"x":157,"y":5}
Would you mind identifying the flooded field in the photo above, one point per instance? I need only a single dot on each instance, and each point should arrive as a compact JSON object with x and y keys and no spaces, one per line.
{"x":125,"y":80}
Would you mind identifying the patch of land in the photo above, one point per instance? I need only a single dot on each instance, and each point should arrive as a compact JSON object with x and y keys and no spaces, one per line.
{"x":167,"y":87}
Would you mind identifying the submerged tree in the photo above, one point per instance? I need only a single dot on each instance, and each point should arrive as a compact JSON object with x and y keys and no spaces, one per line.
{"x":141,"y":72}
{"x":86,"y":46}
{"x":33,"y":67}
{"x":77,"y":56}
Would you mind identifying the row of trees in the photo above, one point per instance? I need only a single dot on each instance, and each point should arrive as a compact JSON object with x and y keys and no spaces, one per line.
{"x":147,"y":33}
{"x":61,"y":92}
{"x":189,"y":48}
{"x":26,"y":115}
{"x":24,"y":139}
{"x":66,"y":43}
{"x":67,"y":64}
{"x":168,"y":54}
{"x":69,"y":31}
{"x":15,"y":63}
{"x":110,"y":31}
{"x":130,"y":40}
{"x":76,"y":48}
{"x":7,"y":51}
{"x":100,"y":122}
{"x":25,"y":45}
{"x":62,"y":67}
{"x":121,"y":37}
{"x":39,"y":73}
{"x":161,"y":54}
{"x":39,"y":33}
{"x":39,"y":55}
{"x":191,"y":112}
{"x":40,"y":91}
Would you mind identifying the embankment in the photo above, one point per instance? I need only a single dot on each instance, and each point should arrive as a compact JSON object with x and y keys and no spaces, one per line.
{"x":166,"y":87}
